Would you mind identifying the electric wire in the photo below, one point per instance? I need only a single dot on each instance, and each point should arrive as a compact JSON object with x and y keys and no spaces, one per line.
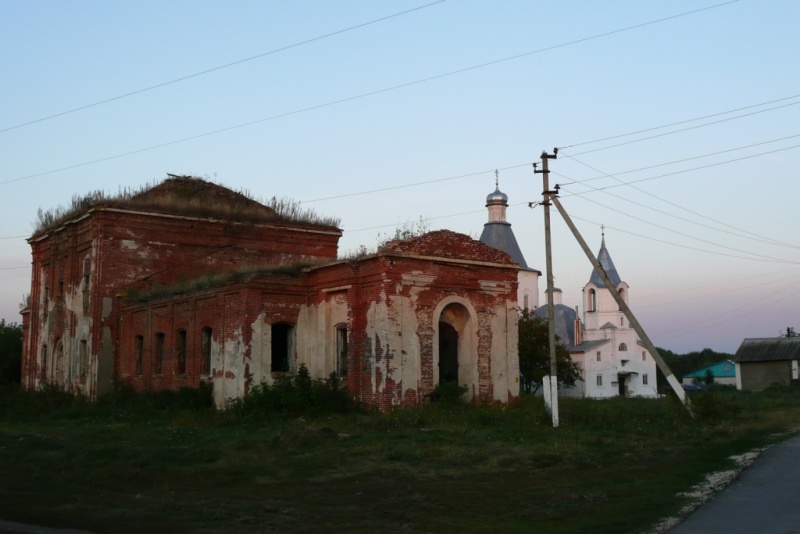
{"x":697,"y":326}
{"x":368,"y":94}
{"x":707,"y":242}
{"x":753,"y":236}
{"x":685,"y":121}
{"x":716,"y":294}
{"x":220,"y":67}
{"x":686,"y":246}
{"x":695,"y":288}
{"x":684,"y":129}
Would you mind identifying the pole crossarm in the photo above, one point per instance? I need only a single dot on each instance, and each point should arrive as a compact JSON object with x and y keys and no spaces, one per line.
{"x":673,"y":382}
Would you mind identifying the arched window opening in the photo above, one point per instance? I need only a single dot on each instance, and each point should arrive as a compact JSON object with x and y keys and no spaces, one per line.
{"x":282,"y":348}
{"x":180,"y":350}
{"x":448,"y":353}
{"x":341,"y":350}
{"x":592,"y":300}
{"x":623,"y":347}
{"x":205,"y":351}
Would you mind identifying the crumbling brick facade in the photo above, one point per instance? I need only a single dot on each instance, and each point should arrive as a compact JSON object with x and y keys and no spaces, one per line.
{"x":164,"y":300}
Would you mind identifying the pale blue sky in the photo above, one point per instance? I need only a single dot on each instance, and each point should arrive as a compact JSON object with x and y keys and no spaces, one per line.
{"x":692,"y":285}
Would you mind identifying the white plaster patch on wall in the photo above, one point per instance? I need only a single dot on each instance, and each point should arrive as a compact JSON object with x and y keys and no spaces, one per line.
{"x":393,"y":324}
{"x":129,"y":244}
{"x":232,"y":379}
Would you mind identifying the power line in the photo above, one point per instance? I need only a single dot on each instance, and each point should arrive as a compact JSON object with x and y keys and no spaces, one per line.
{"x":221,"y":67}
{"x":694,"y":169}
{"x":779,"y":260}
{"x":750,"y":310}
{"x":717,"y":293}
{"x":414,"y":184}
{"x":369,"y":93}
{"x":673,"y":292}
{"x":685,"y":129}
{"x":686,"y":246}
{"x":686,"y":121}
{"x":760,"y":238}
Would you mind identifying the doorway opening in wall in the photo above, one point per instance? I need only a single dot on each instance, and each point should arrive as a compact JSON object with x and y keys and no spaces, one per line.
{"x":448,"y":353}
{"x":341,"y":350}
{"x":282,"y":348}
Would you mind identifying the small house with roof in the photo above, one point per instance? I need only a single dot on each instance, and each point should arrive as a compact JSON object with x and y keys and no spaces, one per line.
{"x":724,"y":373}
{"x":765,"y":362}
{"x":613,"y":360}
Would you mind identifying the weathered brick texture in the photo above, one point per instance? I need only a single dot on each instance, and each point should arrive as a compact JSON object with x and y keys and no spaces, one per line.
{"x":115,"y":295}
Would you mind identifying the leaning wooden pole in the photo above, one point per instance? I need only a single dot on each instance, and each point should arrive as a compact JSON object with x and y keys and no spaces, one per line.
{"x":673,"y":382}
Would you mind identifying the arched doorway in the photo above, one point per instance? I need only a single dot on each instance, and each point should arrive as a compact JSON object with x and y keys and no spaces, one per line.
{"x":456,"y":343}
{"x":448,"y":353}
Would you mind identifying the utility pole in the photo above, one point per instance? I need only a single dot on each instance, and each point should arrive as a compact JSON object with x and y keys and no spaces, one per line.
{"x":552,"y":390}
{"x":673,"y":382}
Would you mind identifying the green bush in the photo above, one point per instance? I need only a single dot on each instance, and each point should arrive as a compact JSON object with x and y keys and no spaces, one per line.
{"x":449,"y":393}
{"x":295,"y":395}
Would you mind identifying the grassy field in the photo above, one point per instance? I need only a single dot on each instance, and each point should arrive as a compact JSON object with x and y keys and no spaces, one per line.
{"x":171,"y":463}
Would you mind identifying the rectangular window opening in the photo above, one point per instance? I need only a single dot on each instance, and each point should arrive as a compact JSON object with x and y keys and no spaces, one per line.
{"x":158,"y":364}
{"x":181,"y":352}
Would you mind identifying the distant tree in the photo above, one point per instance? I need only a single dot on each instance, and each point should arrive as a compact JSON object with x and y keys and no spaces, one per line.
{"x":708,"y":379}
{"x":534,"y":355}
{"x":10,"y":352}
{"x":683,"y":364}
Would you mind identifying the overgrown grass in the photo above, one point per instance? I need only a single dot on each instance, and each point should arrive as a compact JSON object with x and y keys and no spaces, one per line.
{"x":191,"y":196}
{"x":280,"y":463}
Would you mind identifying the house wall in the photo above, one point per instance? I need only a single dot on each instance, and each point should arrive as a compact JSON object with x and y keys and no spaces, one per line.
{"x":760,"y":375}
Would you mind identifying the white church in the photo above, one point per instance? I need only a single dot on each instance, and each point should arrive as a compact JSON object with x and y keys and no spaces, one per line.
{"x":613,"y":360}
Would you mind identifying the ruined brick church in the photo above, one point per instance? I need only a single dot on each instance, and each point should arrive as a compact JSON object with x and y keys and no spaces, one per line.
{"x":188,"y":281}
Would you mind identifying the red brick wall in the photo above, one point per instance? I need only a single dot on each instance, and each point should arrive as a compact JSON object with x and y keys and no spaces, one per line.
{"x":131,"y":250}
